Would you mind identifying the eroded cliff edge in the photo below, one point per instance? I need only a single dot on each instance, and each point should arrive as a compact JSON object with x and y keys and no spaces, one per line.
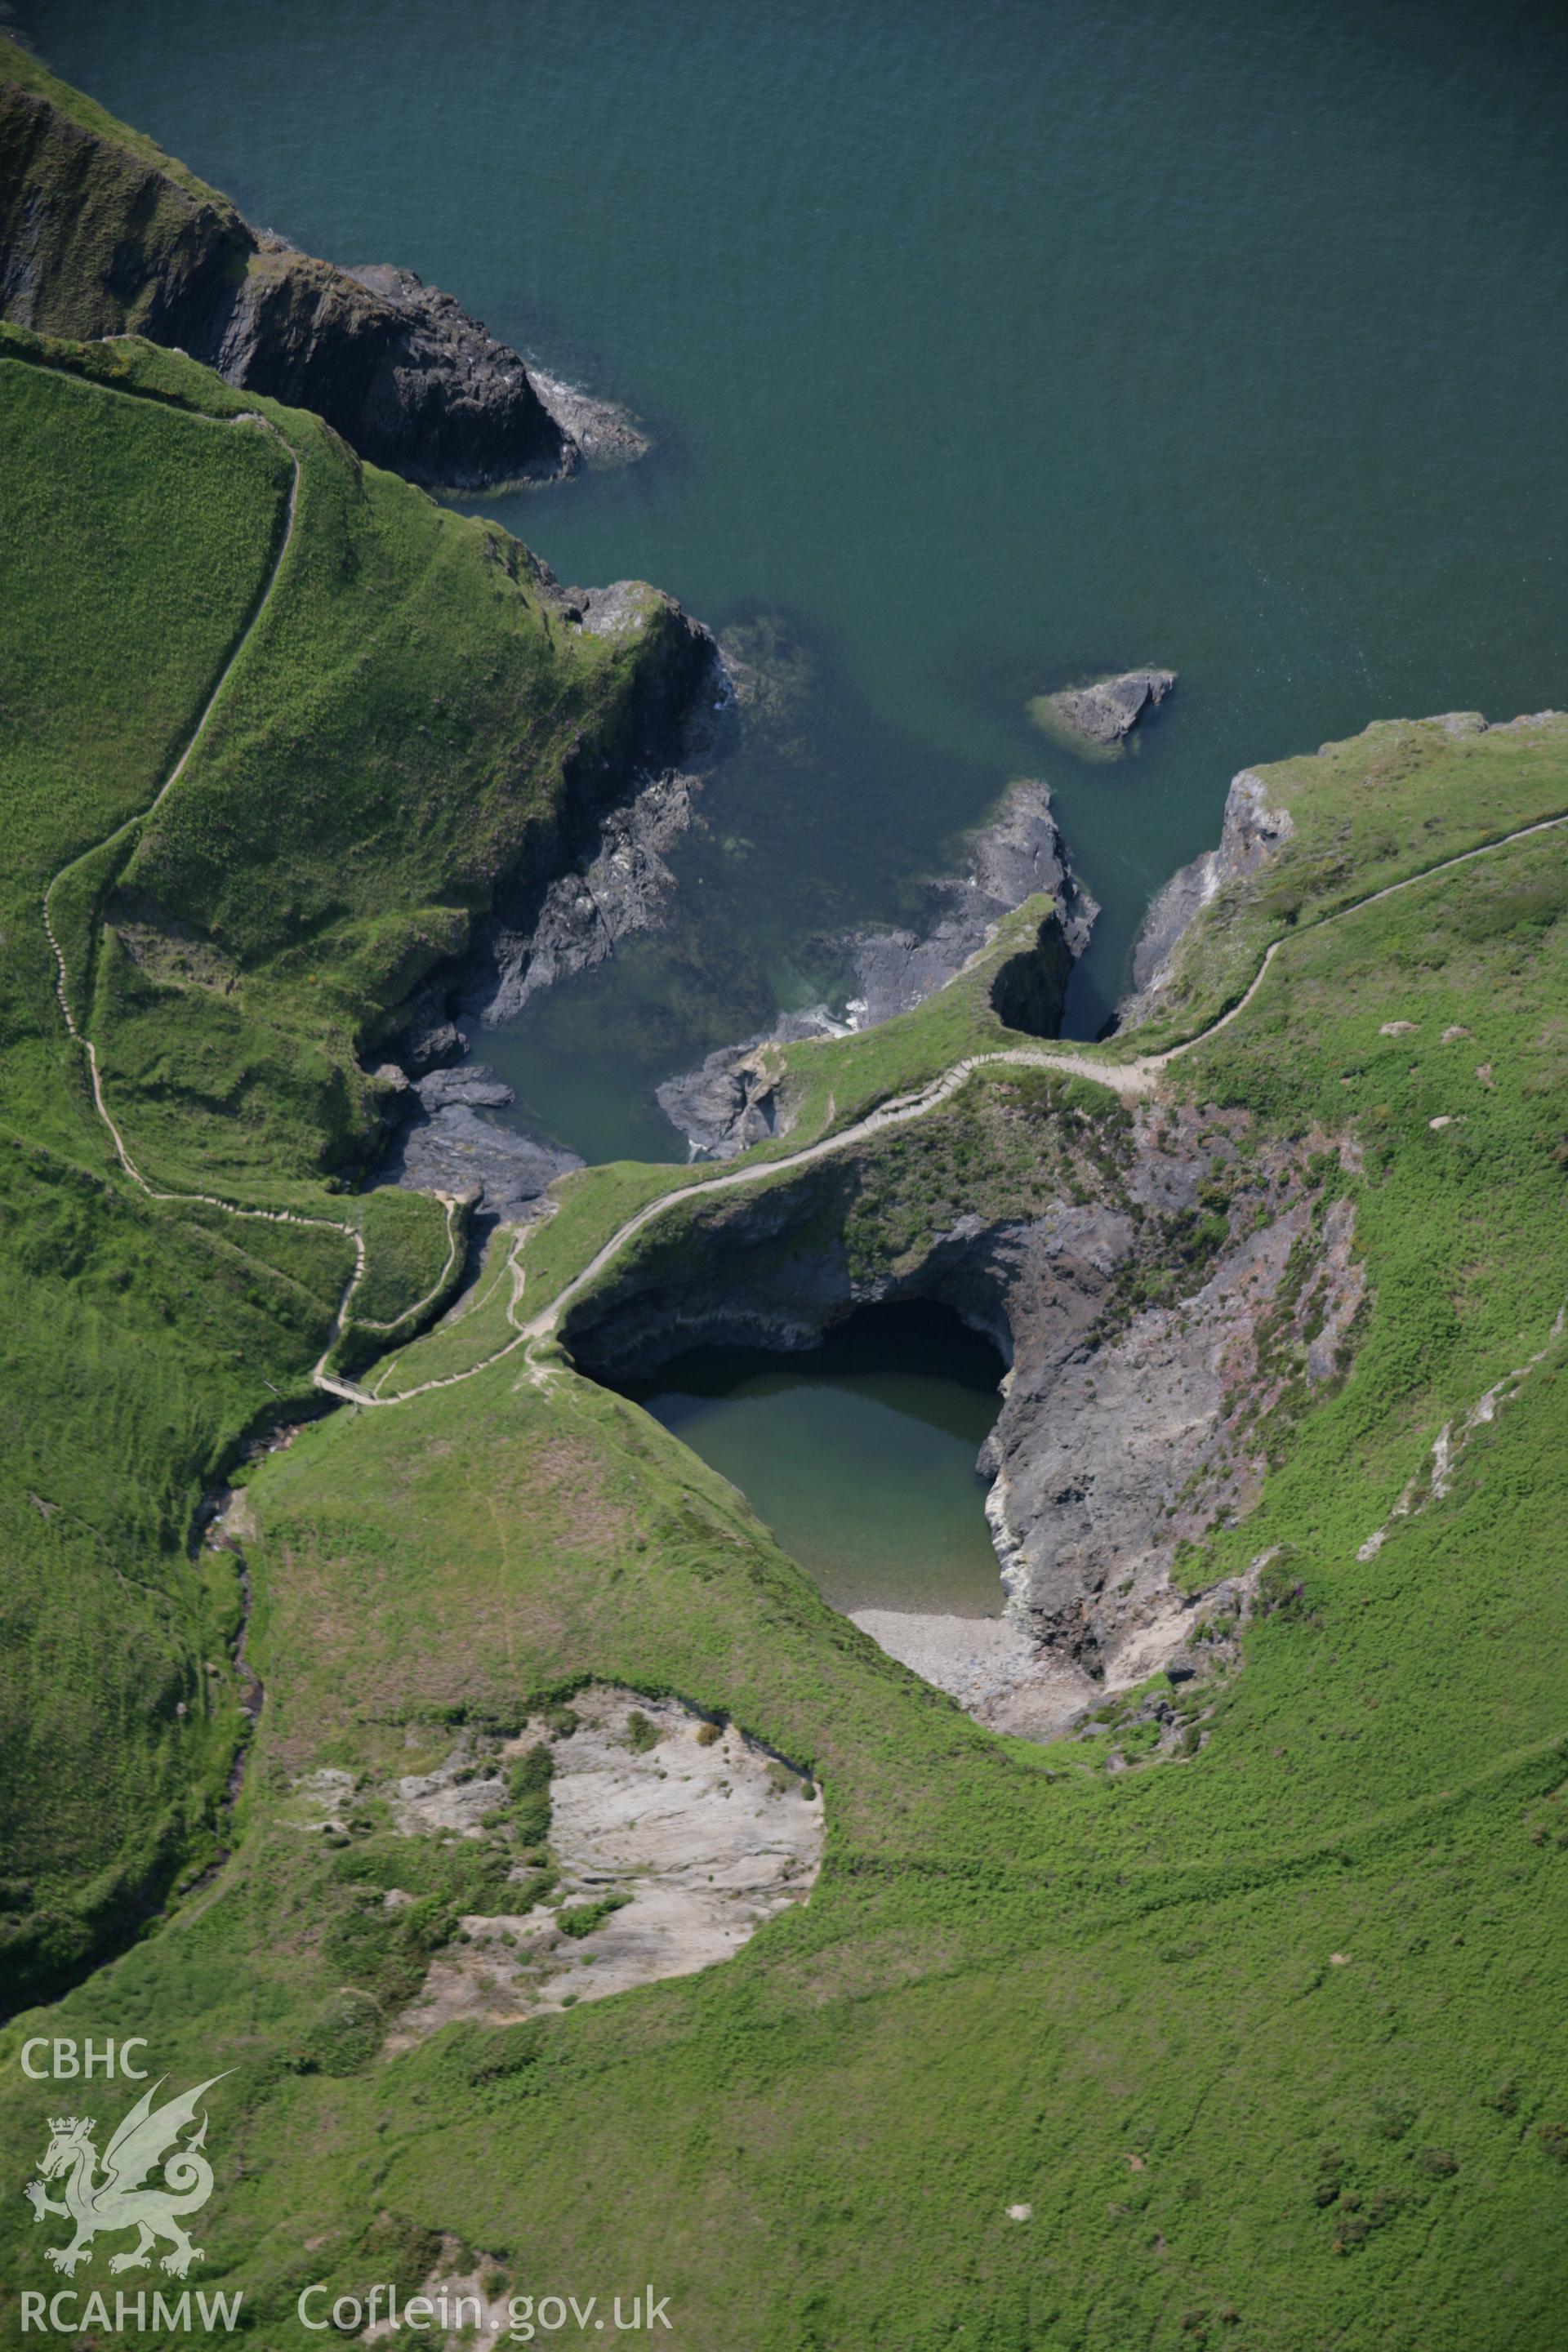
{"x":101,"y":233}
{"x":1168,"y":1287}
{"x":1173,"y":1274}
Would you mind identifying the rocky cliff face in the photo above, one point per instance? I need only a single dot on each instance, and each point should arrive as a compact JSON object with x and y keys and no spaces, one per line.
{"x":603,"y":878}
{"x":1018,"y":855}
{"x":403,"y":374}
{"x":99,"y":237}
{"x":1251,"y":834}
{"x":1160,"y":1297}
{"x":625,"y":887}
{"x":732,"y":1100}
{"x":590,"y":878}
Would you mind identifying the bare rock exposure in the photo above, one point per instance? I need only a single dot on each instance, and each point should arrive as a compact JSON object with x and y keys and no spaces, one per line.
{"x":672,"y":1840}
{"x":1107,"y":711}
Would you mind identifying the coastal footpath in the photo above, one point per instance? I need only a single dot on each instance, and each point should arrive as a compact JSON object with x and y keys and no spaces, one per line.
{"x":423,"y":1750}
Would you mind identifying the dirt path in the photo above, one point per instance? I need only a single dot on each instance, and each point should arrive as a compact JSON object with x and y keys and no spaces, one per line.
{"x":1156,"y":1062}
{"x":62,"y":982}
{"x":1132,"y":1079}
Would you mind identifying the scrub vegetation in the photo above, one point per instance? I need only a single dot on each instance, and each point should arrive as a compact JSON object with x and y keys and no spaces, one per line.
{"x":1265,"y":2036}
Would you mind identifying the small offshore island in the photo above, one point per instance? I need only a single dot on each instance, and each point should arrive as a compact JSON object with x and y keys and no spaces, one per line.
{"x":422,"y":1749}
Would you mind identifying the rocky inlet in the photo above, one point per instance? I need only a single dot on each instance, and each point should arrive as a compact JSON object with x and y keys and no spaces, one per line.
{"x":732,"y":1100}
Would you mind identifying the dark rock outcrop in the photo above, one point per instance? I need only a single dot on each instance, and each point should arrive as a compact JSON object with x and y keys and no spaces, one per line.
{"x":408,"y":378}
{"x":626,"y":887}
{"x":443,"y":1145}
{"x":598,"y":875}
{"x":733,"y":1101}
{"x":603,"y":876}
{"x":1020,"y":852}
{"x":434,"y":1043}
{"x":474,"y":1087}
{"x":99,"y":237}
{"x":733,"y":1098}
{"x":1106,"y":712}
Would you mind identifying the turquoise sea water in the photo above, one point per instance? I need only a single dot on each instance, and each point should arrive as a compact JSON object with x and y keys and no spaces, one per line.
{"x":858,"y":1454}
{"x":988,"y":346}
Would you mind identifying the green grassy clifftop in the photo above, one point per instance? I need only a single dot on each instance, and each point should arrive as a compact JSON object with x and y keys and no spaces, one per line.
{"x":1265,"y":2037}
{"x":407,"y":722}
{"x":1257,"y":2045}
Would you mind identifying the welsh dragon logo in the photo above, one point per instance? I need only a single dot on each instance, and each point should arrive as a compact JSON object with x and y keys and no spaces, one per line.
{"x":146,"y":2136}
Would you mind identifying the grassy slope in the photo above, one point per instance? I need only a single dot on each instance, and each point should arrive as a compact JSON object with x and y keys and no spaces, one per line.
{"x":75,"y":207}
{"x":1370,"y":811}
{"x":410,"y":723}
{"x":134,"y":545}
{"x":1115,"y":2000}
{"x":140,"y":1339}
{"x":401,"y":737}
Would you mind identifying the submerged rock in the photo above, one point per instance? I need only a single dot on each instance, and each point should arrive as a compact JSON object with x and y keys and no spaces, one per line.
{"x":1106,"y":712}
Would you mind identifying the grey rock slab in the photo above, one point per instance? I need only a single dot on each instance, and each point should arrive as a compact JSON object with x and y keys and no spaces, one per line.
{"x":477,"y":1084}
{"x":455,"y":1148}
{"x":1107,"y":711}
{"x":703,"y":1834}
{"x":627,"y":887}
